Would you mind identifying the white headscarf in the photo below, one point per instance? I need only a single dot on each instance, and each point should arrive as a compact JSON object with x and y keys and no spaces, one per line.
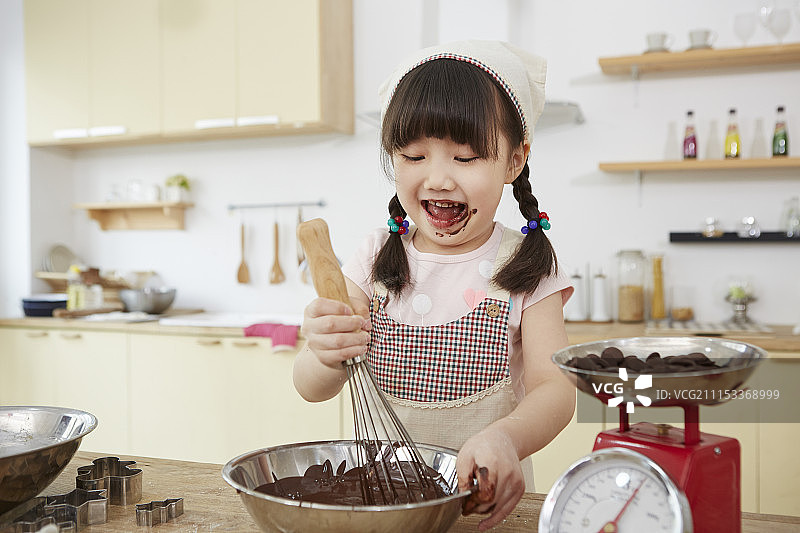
{"x":519,"y":72}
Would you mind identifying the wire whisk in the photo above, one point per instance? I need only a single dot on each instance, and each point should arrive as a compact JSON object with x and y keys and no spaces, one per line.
{"x":390,"y":466}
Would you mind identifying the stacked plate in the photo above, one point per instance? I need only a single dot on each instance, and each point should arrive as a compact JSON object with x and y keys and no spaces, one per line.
{"x":59,"y":258}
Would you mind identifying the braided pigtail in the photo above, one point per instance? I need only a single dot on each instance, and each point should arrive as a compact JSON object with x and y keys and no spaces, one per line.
{"x":391,"y":264}
{"x":535,"y":259}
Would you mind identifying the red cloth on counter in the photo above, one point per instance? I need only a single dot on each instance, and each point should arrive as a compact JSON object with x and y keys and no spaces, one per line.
{"x":283,"y":336}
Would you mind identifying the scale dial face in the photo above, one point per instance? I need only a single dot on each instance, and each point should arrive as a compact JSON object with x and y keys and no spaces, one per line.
{"x":615,"y":490}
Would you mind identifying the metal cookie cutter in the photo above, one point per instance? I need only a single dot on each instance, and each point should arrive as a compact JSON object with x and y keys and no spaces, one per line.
{"x":124,"y":484}
{"x":158,"y":512}
{"x":83,"y":507}
{"x":34,"y":519}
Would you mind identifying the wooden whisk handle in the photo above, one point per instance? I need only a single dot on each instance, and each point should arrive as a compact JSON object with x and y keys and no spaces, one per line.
{"x":325,"y":271}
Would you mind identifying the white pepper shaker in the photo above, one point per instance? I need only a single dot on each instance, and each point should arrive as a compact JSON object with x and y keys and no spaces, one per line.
{"x":600,"y":298}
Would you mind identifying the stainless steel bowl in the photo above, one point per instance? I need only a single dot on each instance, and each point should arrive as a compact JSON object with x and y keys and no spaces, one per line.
{"x":148,"y":300}
{"x":737,"y":359}
{"x":36,"y":443}
{"x":274,"y":514}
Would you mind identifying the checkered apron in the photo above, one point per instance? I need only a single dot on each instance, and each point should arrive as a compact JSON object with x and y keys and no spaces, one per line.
{"x":447,"y":382}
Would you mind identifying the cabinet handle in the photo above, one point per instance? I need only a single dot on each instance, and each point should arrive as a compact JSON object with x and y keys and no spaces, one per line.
{"x":36,"y":334}
{"x":71,"y":336}
{"x":206,"y":123}
{"x":244,"y":344}
{"x":257,"y":120}
{"x":102,"y":131}
{"x":70,"y":133}
{"x":208,"y":342}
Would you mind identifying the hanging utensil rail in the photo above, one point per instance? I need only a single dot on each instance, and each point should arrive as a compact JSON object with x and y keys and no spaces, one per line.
{"x":233,"y":207}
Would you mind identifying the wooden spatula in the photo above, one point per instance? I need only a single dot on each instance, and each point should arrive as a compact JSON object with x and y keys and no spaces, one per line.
{"x":243,"y":275}
{"x":276,"y":274}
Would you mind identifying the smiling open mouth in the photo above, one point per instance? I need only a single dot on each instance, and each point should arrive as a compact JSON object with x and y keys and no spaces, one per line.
{"x":443,"y":213}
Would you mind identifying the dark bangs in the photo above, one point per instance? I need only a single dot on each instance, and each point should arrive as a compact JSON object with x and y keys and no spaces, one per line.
{"x":448,"y":98}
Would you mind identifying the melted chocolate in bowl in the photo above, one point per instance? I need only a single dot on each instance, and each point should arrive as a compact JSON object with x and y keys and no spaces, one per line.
{"x":361,"y":485}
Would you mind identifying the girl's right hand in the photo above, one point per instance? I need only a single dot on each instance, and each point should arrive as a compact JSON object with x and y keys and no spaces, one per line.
{"x":334,"y":333}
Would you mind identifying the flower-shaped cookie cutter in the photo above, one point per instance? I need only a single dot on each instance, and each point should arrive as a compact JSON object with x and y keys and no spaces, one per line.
{"x":83,"y":507}
{"x":158,"y":512}
{"x":124,"y":484}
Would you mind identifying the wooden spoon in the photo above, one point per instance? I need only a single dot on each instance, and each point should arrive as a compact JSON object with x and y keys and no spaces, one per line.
{"x":243,"y":275}
{"x":276,"y":274}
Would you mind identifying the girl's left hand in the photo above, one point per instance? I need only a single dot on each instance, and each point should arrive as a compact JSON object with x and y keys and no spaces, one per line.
{"x":492,"y":450}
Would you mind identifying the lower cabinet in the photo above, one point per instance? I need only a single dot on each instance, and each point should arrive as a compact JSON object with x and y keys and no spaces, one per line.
{"x":574,"y":441}
{"x":779,"y":468}
{"x":80,"y":369}
{"x":210,"y":399}
{"x":195,"y":398}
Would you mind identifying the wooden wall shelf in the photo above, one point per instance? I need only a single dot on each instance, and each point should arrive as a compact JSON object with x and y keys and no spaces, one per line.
{"x":729,"y":237}
{"x":702,"y":59}
{"x":133,"y":216}
{"x":702,"y":164}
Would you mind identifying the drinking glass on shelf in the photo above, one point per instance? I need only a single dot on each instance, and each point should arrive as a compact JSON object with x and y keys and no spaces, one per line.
{"x":749,"y":228}
{"x":778,"y":23}
{"x":744,"y":26}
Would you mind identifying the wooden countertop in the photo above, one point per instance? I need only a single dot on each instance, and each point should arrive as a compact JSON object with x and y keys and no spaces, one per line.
{"x":781,"y":339}
{"x":211,"y":504}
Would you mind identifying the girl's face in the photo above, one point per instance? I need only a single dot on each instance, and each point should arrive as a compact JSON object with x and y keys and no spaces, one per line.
{"x":450,"y":193}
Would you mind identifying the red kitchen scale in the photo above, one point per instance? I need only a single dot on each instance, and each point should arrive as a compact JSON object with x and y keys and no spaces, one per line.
{"x":648,"y":477}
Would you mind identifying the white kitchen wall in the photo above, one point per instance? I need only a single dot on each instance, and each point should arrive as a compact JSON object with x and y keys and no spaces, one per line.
{"x":15,"y":272}
{"x":594,"y":214}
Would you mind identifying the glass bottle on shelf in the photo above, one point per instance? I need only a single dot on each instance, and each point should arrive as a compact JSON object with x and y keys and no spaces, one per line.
{"x":791,"y":218}
{"x":780,"y":141}
{"x":657,"y":307}
{"x":630,"y":304}
{"x":690,"y":138}
{"x":76,"y":291}
{"x":733,"y":144}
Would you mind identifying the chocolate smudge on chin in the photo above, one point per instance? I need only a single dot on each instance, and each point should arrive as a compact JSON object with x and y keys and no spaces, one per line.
{"x":466,"y":221}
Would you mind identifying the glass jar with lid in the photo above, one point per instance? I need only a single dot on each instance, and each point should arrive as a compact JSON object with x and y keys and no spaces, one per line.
{"x":631,"y":280}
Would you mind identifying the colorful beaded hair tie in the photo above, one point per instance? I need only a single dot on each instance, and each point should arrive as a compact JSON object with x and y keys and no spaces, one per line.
{"x":398,"y":225}
{"x":543,"y":221}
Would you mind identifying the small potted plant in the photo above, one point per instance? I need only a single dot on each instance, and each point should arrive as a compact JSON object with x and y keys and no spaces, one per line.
{"x":177,"y":188}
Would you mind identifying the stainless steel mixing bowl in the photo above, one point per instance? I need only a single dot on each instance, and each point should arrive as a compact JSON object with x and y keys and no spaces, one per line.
{"x":147,"y":300}
{"x":274,"y":514}
{"x":36,"y":443}
{"x":737,"y":359}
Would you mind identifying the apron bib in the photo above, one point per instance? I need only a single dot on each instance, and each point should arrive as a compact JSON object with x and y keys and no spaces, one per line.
{"x":460,"y":367}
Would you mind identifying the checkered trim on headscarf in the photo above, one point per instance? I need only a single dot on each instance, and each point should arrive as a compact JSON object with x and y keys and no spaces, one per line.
{"x":443,"y":362}
{"x":472,"y":61}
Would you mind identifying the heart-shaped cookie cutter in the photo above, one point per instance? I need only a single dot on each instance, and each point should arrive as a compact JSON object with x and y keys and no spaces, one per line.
{"x":124,"y":484}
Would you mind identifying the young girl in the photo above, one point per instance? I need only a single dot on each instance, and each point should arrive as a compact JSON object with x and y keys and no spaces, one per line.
{"x":458,"y":315}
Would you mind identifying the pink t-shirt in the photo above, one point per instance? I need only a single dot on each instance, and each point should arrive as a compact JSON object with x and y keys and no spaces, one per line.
{"x":447,"y":287}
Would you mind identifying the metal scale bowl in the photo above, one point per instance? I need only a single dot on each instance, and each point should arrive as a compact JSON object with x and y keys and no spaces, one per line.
{"x":702,"y":469}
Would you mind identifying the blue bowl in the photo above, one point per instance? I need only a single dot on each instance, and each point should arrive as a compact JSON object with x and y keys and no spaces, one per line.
{"x":43,"y":305}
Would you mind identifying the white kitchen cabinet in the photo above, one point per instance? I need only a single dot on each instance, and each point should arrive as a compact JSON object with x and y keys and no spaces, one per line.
{"x":56,"y":69}
{"x":73,"y":368}
{"x":254,"y":67}
{"x":273,"y":85}
{"x":91,"y":70}
{"x":211,"y":398}
{"x":779,"y":468}
{"x":574,"y":441}
{"x":133,"y":71}
{"x":198,"y":54}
